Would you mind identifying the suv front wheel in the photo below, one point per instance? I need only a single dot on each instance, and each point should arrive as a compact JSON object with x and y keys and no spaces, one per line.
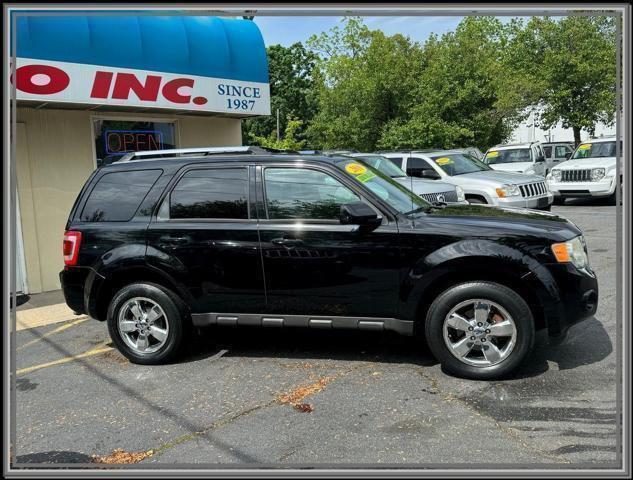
{"x":479,"y":330}
{"x":146,"y":323}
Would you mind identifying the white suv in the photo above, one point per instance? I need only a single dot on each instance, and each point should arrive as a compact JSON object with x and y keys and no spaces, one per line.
{"x":526,"y":158}
{"x":591,"y":172}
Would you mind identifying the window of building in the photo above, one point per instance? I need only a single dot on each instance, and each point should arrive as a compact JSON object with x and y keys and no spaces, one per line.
{"x":117,"y":195}
{"x":211,"y":193}
{"x":301,"y":193}
{"x":114,"y":138}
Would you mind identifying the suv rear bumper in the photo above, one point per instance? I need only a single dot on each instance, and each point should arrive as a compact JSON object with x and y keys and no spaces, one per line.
{"x":77,"y":283}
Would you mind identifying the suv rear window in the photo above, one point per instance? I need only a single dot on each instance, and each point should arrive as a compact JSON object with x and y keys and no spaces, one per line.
{"x":117,"y":195}
{"x":211,"y":193}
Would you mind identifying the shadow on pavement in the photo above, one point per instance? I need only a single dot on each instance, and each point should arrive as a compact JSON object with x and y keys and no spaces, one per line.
{"x":390,"y":347}
{"x":53,"y":456}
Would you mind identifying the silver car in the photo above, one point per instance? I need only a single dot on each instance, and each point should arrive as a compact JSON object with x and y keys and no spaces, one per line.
{"x":431,"y":190}
{"x":480,"y":183}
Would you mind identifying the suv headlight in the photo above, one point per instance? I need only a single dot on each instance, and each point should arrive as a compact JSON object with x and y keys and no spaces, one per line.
{"x":460,"y":193}
{"x":557,"y":175}
{"x":572,"y":251}
{"x":508,"y":191}
{"x":597,"y":174}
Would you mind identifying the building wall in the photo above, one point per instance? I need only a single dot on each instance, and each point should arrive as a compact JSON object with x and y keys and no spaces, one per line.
{"x":55,"y":156}
{"x":527,"y":131}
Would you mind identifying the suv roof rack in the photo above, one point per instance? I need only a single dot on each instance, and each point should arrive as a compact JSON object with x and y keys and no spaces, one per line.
{"x":204,"y":151}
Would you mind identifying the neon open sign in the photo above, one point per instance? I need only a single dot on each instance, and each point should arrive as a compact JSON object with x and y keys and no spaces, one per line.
{"x":118,"y":142}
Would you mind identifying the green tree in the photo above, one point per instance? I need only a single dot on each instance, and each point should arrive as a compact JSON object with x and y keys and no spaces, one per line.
{"x":365,"y":79}
{"x":568,"y":68}
{"x":289,"y":141}
{"x":459,"y":94}
{"x":291,"y":91}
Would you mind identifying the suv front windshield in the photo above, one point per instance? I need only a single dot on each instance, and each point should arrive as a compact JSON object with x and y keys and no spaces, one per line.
{"x":514,"y":155}
{"x":595,"y":150}
{"x":383,"y":164}
{"x":390,"y":191}
{"x":459,"y":163}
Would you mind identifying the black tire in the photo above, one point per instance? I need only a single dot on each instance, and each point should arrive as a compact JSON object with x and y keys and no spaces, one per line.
{"x":476,"y":201}
{"x":502,"y":295}
{"x":559,"y":201}
{"x":547,"y":209}
{"x":174,"y":310}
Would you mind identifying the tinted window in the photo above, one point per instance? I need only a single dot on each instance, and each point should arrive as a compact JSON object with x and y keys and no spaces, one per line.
{"x":561,"y":151}
{"x":211,"y":193}
{"x":117,"y":195}
{"x":548,"y":151}
{"x":396,"y":161}
{"x":595,"y":150}
{"x":304,"y":193}
{"x":459,"y":164}
{"x":415,"y":162}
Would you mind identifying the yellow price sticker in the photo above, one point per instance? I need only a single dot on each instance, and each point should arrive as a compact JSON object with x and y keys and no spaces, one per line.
{"x":355,"y":168}
{"x":492,"y":153}
{"x":584,"y":146}
{"x":443,"y":161}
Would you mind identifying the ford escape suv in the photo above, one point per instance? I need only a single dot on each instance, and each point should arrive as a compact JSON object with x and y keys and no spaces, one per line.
{"x":163,"y":241}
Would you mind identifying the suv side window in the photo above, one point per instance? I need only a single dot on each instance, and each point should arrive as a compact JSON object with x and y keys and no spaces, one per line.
{"x":416,"y":165}
{"x":211,"y":193}
{"x":302,"y":193}
{"x":561,"y":151}
{"x":396,"y":160}
{"x":117,"y":195}
{"x":548,"y":151}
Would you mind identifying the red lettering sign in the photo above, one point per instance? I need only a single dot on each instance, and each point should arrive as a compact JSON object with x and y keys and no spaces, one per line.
{"x":120,"y":141}
{"x":41,"y":79}
{"x":127,"y":82}
{"x":170,"y":90}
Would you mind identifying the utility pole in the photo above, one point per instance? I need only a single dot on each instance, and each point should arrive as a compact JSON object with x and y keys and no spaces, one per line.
{"x":277,"y":124}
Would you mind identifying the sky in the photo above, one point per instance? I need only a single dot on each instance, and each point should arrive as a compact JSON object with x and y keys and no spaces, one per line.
{"x":288,"y":30}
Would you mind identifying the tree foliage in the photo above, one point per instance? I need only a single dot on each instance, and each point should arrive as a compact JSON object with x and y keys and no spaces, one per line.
{"x":353,"y":87}
{"x":292,"y":92}
{"x":570,"y":65}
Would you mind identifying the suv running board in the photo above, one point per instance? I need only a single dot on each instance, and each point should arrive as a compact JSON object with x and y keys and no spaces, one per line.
{"x":403,"y":327}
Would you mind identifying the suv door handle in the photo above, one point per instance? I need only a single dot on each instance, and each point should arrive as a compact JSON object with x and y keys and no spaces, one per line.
{"x":286,"y":242}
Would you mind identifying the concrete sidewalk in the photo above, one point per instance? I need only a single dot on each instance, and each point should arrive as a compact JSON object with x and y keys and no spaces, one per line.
{"x":43,"y":309}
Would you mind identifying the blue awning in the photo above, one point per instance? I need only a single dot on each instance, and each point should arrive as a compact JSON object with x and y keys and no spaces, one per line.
{"x":205,"y":46}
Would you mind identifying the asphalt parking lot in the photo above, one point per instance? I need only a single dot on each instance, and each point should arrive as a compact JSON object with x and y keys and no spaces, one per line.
{"x":316,"y":397}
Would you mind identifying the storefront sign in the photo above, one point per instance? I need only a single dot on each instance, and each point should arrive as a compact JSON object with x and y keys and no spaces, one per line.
{"x":52,"y":81}
{"x":118,"y":142}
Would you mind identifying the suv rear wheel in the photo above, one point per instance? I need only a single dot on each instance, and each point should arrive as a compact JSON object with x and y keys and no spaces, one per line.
{"x":479,"y":330}
{"x":146,"y":323}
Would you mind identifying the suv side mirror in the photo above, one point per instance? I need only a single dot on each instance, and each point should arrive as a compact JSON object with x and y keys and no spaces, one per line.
{"x":430,"y":174}
{"x":359,"y":213}
{"x":568,"y":155}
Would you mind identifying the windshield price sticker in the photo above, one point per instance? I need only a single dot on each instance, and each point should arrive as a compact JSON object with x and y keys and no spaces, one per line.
{"x":355,"y":168}
{"x":585,"y":146}
{"x":365,"y":177}
{"x":443,"y":161}
{"x":493,"y":153}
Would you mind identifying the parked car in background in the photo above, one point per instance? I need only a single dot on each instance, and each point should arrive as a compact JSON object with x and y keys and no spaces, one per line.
{"x":481,"y":184}
{"x":556,"y":152}
{"x":157,"y":245}
{"x":431,"y":190}
{"x":591,"y":172}
{"x":520,"y":158}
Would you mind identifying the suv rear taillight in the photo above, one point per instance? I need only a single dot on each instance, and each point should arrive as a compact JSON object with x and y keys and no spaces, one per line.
{"x":72,"y":240}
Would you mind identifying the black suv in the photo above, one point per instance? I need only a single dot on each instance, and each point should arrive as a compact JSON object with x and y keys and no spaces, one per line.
{"x":156,"y":244}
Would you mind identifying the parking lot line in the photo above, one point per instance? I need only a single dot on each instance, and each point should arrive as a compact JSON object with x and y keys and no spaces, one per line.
{"x":53,"y":332}
{"x":95,"y":351}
